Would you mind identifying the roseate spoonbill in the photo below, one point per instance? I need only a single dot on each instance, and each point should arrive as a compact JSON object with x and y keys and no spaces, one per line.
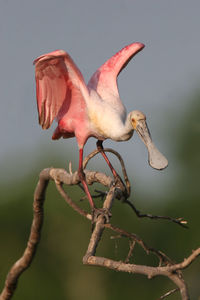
{"x":93,"y":110}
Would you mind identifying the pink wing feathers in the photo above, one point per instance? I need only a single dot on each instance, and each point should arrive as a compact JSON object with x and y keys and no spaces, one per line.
{"x":104,"y":80}
{"x":57,"y":80}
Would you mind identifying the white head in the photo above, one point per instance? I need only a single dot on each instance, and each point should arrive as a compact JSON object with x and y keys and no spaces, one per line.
{"x":155,"y":158}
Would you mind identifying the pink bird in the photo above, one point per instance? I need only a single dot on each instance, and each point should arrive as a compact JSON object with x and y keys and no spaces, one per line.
{"x":93,"y":110}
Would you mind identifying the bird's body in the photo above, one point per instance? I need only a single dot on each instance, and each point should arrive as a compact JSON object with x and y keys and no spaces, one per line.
{"x":93,"y":110}
{"x":82,"y":111}
{"x":95,"y":119}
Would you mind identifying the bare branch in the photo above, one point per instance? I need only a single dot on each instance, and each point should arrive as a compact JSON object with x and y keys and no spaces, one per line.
{"x":187,"y":261}
{"x":24,"y":262}
{"x":150,"y":272}
{"x":166,"y":266}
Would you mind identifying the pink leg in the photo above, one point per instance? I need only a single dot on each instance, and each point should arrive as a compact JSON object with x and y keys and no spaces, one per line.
{"x":100,"y":148}
{"x":82,"y":178}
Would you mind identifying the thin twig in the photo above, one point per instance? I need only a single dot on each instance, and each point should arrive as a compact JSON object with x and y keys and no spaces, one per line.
{"x":130,"y":252}
{"x":168,"y":293}
{"x":71,"y":203}
{"x":178,"y":221}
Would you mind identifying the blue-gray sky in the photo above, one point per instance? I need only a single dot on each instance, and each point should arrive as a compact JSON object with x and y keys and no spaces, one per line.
{"x":156,"y":81}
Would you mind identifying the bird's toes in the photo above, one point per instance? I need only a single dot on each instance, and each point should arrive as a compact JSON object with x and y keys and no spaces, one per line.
{"x":120,"y":184}
{"x":104,"y":212}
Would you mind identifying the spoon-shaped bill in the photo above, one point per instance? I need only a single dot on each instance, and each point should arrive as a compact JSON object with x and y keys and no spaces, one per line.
{"x":155,"y":158}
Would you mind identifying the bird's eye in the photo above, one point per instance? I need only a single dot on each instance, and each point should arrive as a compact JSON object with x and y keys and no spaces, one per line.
{"x":133,"y":122}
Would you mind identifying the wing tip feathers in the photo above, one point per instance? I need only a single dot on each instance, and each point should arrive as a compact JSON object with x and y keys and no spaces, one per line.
{"x":49,"y":55}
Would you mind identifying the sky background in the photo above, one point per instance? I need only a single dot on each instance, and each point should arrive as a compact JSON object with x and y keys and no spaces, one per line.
{"x":157,"y":81}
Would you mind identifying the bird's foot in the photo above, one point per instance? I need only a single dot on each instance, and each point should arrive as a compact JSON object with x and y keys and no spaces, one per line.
{"x":104,"y":212}
{"x":121,"y":186}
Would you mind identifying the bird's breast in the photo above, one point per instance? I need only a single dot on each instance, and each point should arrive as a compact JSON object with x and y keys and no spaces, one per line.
{"x":98,"y":128}
{"x":108,"y":124}
{"x":106,"y":119}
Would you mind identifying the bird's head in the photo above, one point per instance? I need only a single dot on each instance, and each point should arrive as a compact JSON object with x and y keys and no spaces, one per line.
{"x":155,"y":158}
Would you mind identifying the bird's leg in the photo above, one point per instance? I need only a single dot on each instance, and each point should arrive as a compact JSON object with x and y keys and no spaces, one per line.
{"x":118,"y":180}
{"x":95,"y":211}
{"x":101,"y":150}
{"x":81,"y":175}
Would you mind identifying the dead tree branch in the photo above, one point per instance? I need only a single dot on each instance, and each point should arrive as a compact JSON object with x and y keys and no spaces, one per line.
{"x":166,"y":267}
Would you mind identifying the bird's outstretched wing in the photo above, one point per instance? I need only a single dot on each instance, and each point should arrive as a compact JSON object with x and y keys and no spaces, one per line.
{"x":57,"y":80}
{"x":104,"y":80}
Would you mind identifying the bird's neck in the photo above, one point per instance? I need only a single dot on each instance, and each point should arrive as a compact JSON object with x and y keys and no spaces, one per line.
{"x":127,"y":130}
